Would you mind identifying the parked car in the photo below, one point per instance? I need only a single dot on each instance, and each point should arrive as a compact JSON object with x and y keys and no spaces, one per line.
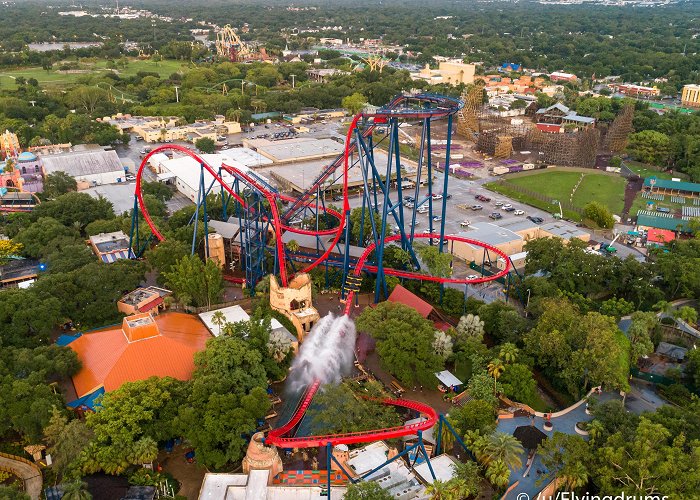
{"x":437,"y":218}
{"x":472,"y":277}
{"x":499,"y":203}
{"x":437,"y":196}
{"x":508,"y":209}
{"x":477,"y":207}
{"x":130,"y":177}
{"x":465,"y":223}
{"x":507,"y":205}
{"x":536,"y":220}
{"x":495,"y":216}
{"x":519,"y":212}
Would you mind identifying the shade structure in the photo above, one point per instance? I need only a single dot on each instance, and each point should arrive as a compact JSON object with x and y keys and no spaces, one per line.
{"x":529,"y":436}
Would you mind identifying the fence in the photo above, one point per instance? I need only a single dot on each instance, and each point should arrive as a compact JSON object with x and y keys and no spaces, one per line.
{"x":678,"y":199}
{"x":565,"y":205}
{"x":652,"y":196}
{"x":691,"y":211}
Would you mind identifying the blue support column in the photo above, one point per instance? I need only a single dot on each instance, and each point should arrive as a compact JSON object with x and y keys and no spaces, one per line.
{"x":329,"y":452}
{"x":425,"y":454}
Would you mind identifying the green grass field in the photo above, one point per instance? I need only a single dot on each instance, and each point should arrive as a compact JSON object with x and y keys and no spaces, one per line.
{"x":606,"y":189}
{"x":645,"y":171}
{"x":55,"y":79}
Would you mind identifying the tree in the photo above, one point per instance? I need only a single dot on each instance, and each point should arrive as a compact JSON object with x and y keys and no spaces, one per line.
{"x":43,"y":236}
{"x":495,"y":369}
{"x":164,"y":256}
{"x":519,"y":384}
{"x":206,"y":145}
{"x":404,"y":341}
{"x":339,"y":410}
{"x":505,"y":448}
{"x":196,"y":282}
{"x":58,"y":183}
{"x":599,"y":214}
{"x":75,"y":209}
{"x":616,"y":307}
{"x":366,"y":490}
{"x":569,"y":457}
{"x":130,"y":422}
{"x":480,"y":386}
{"x":693,"y":367}
{"x":87,"y":98}
{"x":508,"y":352}
{"x":438,"y":264}
{"x":8,"y":248}
{"x":218,"y":425}
{"x":581,"y":351}
{"x":474,"y":415}
{"x":161,"y":191}
{"x":687,"y":314}
{"x":76,"y":490}
{"x":650,"y":146}
{"x":651,"y":462}
{"x":442,"y":344}
{"x":498,"y":474}
{"x":219,"y":319}
{"x":354,"y":103}
{"x":642,"y":325}
{"x":470,"y":326}
{"x":65,"y":440}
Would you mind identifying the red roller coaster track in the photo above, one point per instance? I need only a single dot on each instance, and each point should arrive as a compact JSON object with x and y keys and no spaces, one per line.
{"x":276,"y":436}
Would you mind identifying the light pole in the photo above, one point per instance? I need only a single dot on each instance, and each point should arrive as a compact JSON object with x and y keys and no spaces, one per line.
{"x":293,"y":77}
{"x":177,"y":94}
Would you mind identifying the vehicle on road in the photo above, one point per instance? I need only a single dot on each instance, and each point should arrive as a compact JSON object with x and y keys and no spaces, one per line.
{"x":130,"y":177}
{"x":465,"y":223}
{"x":437,"y":218}
{"x":472,"y":277}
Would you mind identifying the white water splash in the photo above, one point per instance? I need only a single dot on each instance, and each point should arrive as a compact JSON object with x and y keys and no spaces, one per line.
{"x":326,"y":354}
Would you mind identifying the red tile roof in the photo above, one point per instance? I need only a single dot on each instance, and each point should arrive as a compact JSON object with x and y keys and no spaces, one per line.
{"x":402,"y":296}
{"x":660,"y":235}
{"x":152,"y":304}
{"x":109,"y":359}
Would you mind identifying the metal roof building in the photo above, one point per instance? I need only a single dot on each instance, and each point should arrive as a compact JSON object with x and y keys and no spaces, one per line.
{"x":92,"y":166}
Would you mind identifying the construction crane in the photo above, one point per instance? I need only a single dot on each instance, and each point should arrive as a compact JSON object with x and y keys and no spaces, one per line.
{"x":610,"y":249}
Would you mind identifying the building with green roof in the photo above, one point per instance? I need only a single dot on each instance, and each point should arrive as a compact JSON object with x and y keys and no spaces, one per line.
{"x":665,"y":186}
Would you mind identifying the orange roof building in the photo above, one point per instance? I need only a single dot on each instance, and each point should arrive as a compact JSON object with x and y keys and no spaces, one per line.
{"x":143,"y":347}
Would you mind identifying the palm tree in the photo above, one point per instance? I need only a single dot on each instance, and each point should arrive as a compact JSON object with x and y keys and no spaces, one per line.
{"x":76,"y":490}
{"x":595,"y":430}
{"x":503,"y":447}
{"x":219,"y":319}
{"x":495,"y":368}
{"x":447,"y":439}
{"x":576,"y":477}
{"x":498,"y":474}
{"x":508,"y":352}
{"x":293,"y":246}
{"x":437,"y":490}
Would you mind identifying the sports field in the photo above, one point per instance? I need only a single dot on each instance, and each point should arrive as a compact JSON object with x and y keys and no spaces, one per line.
{"x":57,"y":79}
{"x":559,"y":185}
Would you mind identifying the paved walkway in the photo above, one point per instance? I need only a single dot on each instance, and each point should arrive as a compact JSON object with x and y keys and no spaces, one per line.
{"x":29,"y":473}
{"x":533,"y":482}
